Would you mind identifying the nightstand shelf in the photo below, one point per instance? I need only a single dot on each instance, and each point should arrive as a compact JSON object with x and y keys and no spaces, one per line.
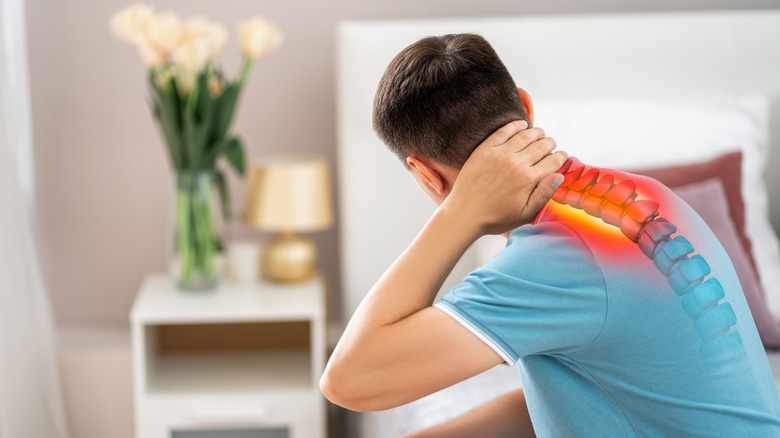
{"x":242,"y":359}
{"x":230,"y":373}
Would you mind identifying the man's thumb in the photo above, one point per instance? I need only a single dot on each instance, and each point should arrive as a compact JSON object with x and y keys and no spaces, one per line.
{"x":556,"y":180}
{"x":544,"y":191}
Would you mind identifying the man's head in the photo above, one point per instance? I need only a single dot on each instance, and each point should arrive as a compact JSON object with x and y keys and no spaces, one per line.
{"x":441,"y":97}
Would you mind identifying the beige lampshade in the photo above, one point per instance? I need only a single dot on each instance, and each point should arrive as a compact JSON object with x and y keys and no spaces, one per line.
{"x":289,"y":193}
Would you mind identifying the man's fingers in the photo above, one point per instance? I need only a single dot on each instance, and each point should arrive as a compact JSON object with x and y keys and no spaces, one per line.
{"x":523,"y":139}
{"x":552,"y":162}
{"x":506,"y":132}
{"x":537,"y":150}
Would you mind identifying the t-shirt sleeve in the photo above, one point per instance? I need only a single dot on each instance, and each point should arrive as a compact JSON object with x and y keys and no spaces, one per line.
{"x":543,"y":294}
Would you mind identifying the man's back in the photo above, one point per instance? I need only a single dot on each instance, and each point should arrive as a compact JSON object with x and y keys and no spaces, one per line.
{"x":634,"y":325}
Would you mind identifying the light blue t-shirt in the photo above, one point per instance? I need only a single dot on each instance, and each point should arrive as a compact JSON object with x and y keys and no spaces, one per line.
{"x":603,"y":344}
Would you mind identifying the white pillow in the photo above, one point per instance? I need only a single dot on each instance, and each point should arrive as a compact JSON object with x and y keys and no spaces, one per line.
{"x":636,"y":134}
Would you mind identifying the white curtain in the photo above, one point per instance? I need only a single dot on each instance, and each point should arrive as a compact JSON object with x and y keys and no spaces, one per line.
{"x":30,"y":397}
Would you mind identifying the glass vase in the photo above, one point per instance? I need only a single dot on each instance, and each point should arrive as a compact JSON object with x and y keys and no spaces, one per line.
{"x":197,"y":258}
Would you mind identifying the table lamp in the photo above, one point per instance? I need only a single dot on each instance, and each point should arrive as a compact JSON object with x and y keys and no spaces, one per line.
{"x":288,"y":194}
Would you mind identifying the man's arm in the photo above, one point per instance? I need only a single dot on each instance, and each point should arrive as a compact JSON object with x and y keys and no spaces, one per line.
{"x":397,"y":348}
{"x":504,"y":416}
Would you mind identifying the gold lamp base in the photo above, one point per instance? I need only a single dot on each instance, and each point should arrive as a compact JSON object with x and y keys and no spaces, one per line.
{"x":289,"y":257}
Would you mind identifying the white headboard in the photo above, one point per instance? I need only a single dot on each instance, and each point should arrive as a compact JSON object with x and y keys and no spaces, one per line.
{"x":622,"y":56}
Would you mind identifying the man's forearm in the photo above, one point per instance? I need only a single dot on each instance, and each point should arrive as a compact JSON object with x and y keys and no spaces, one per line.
{"x":504,"y":416}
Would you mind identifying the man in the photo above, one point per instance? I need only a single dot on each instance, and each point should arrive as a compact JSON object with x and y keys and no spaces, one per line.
{"x":629,"y":325}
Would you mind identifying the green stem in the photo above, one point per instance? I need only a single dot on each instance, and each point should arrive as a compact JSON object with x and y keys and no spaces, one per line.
{"x":183,"y":233}
{"x":204,"y":227}
{"x":245,"y":67}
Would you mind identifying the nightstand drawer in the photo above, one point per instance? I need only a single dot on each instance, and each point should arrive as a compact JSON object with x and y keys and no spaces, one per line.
{"x":300,"y":414}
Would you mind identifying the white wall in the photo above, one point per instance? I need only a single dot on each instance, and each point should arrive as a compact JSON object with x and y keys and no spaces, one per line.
{"x":102,"y":174}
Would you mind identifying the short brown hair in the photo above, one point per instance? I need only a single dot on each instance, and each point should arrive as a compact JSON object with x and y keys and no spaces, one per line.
{"x":442,"y":96}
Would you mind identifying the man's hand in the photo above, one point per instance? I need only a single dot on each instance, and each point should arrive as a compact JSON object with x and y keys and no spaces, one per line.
{"x":507,"y":179}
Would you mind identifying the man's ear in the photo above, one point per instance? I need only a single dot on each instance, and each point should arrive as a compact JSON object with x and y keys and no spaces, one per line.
{"x":528,"y":104}
{"x":427,"y":173}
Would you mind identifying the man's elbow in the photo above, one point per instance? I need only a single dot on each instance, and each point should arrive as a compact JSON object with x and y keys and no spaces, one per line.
{"x":341,"y":387}
{"x":331,"y":388}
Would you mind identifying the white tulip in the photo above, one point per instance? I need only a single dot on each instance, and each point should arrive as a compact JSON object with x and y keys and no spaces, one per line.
{"x":196,"y":27}
{"x":215,"y":34}
{"x":151,"y":53}
{"x":192,"y":54}
{"x":258,"y":37}
{"x":165,"y":30}
{"x":200,"y":42}
{"x":129,"y":24}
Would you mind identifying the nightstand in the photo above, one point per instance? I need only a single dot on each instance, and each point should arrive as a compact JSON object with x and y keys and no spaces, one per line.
{"x":241,"y":361}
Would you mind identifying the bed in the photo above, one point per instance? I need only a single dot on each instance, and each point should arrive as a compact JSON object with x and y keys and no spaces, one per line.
{"x":697,"y":90}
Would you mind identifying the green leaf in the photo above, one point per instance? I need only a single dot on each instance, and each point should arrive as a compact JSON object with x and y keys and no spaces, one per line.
{"x":234,"y":152}
{"x":203,"y":101}
{"x":152,"y":79}
{"x":209,"y":159}
{"x":198,"y":123}
{"x":224,"y":194}
{"x":167,"y":113}
{"x":205,"y":119}
{"x":225,"y":108}
{"x":188,"y":136}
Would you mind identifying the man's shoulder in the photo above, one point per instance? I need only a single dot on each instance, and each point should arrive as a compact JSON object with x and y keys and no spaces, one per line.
{"x":548,"y":230}
{"x":546,"y":226}
{"x":541,"y":251}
